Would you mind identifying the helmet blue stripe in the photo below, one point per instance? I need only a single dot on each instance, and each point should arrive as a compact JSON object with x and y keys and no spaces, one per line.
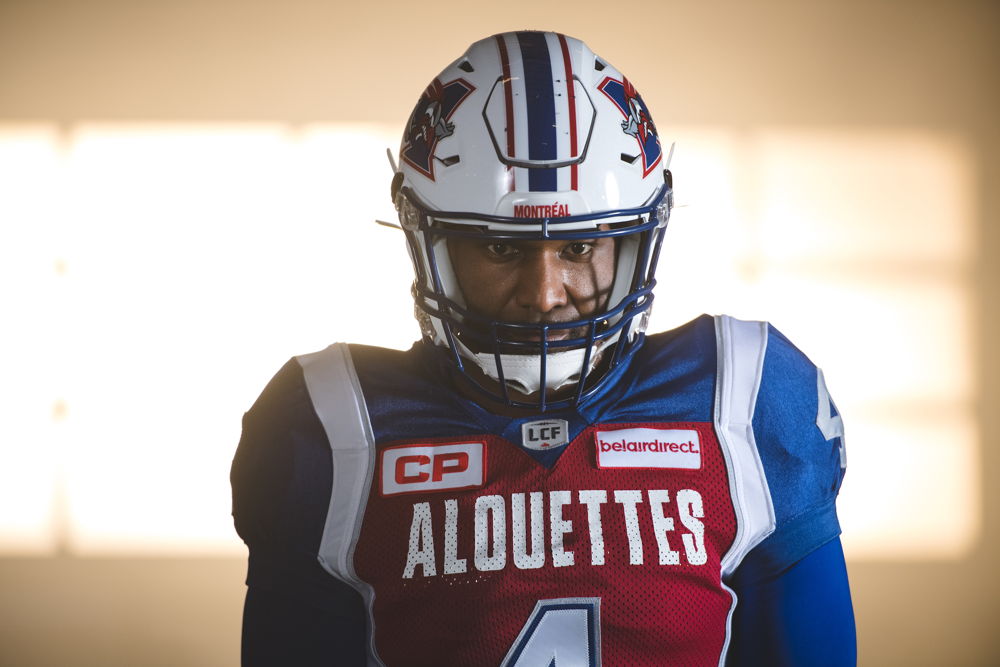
{"x":541,"y":107}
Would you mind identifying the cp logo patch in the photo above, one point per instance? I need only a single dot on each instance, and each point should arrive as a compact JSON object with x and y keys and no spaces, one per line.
{"x":430,"y":122}
{"x":432,"y":467}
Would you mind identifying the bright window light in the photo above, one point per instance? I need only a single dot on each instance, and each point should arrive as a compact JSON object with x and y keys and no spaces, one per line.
{"x":31,"y":363}
{"x":162,"y":273}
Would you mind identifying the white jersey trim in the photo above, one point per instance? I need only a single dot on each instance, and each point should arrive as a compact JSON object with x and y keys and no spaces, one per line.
{"x":336,"y":395}
{"x":741,"y":349}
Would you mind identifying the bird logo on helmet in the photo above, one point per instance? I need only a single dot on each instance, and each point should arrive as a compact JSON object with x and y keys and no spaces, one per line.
{"x":429,"y":123}
{"x":525,"y":142}
{"x":638,"y":122}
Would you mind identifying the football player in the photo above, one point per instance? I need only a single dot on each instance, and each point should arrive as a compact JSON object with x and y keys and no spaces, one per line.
{"x":537,"y":482}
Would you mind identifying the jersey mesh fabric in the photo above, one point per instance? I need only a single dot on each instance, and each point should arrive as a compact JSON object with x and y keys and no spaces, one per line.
{"x":657,"y":607}
{"x":282,"y":487}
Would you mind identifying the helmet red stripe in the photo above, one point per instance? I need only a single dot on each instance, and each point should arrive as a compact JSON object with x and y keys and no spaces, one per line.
{"x":508,"y":97}
{"x":571,"y":101}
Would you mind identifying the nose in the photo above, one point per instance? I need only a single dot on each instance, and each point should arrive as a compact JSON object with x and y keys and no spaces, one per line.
{"x":541,"y":283}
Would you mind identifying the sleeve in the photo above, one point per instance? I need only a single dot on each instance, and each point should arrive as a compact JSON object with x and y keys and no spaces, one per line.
{"x":802,"y":616}
{"x":281,"y":480}
{"x":799,"y":435}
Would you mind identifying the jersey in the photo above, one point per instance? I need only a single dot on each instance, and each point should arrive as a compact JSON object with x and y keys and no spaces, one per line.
{"x":610,"y":533}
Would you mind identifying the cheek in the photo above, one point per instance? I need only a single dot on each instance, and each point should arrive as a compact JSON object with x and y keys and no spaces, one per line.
{"x":592,"y":281}
{"x":486,"y":296}
{"x":605,"y":263}
{"x":483,"y":285}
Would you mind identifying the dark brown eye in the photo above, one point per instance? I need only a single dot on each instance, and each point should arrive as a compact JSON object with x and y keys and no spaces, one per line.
{"x":579,"y":248}
{"x":500,"y":249}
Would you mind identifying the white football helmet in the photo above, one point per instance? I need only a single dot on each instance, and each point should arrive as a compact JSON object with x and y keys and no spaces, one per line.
{"x":530,"y":135}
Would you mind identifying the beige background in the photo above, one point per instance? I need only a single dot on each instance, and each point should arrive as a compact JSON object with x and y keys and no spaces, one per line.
{"x":861,"y":64}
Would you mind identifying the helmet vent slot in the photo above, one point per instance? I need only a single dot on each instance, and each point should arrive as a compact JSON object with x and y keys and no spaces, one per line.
{"x":466,"y":66}
{"x":598,"y":65}
{"x":630,"y":159}
{"x":450,"y":160}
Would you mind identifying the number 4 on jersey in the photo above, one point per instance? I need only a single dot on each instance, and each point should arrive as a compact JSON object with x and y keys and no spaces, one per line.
{"x":828,"y":418}
{"x":565,"y":632}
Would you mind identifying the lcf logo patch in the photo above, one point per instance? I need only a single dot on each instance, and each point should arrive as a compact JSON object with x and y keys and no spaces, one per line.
{"x":545,"y":434}
{"x":430,"y":122}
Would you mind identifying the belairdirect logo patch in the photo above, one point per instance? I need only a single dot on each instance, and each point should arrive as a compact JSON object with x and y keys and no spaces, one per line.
{"x":648,"y":448}
{"x":545,"y":434}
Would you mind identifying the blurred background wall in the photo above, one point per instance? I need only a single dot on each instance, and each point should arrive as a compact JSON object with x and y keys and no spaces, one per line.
{"x":187,"y":192}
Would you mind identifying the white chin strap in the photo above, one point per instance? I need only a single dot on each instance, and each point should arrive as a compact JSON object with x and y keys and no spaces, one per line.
{"x":523,"y":372}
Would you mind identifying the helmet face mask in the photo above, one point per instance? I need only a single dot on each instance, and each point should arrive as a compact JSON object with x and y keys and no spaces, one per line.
{"x":475,"y":165}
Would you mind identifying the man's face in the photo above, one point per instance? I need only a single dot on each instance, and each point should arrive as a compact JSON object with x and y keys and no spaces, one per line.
{"x":535,"y":282}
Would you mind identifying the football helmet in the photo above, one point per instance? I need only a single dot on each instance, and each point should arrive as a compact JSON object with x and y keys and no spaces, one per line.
{"x":531,"y":136}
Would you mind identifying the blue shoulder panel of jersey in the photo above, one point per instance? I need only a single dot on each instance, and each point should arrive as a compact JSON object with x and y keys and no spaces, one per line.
{"x":672,"y":376}
{"x":408,"y":396}
{"x":281,"y":472}
{"x":281,"y":477}
{"x":803,"y":465}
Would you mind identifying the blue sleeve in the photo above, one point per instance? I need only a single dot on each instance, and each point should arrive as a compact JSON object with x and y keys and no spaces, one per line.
{"x":295,"y":612}
{"x":799,"y":436}
{"x":281,"y":627}
{"x":803,"y":616}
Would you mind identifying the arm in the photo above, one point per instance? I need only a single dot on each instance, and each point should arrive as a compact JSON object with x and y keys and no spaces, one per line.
{"x":793,"y":599}
{"x":295,"y":612}
{"x":322,"y":625}
{"x":803,"y":616}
